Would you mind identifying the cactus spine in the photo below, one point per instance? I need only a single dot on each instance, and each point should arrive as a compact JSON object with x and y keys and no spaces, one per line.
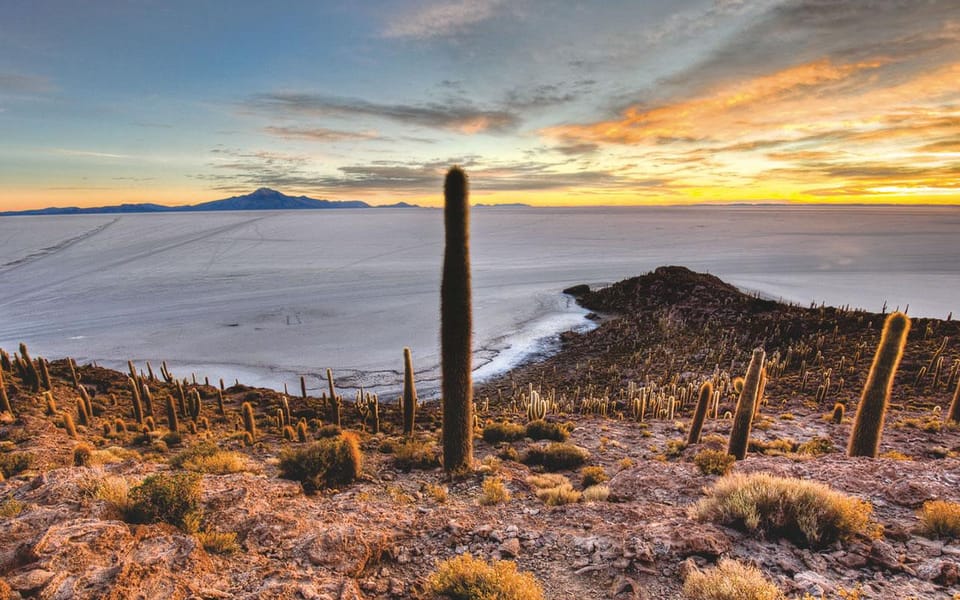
{"x":456,"y":321}
{"x":409,"y":394}
{"x":868,"y":423}
{"x":700,"y":413}
{"x":743,"y":419}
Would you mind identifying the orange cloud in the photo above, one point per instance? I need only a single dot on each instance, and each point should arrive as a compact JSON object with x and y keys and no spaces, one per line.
{"x":691,"y":118}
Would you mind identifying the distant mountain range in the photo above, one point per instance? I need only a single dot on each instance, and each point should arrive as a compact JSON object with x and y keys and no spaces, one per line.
{"x":262,"y":199}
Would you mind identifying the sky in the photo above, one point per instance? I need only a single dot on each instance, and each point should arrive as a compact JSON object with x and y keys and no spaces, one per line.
{"x":547,"y":102}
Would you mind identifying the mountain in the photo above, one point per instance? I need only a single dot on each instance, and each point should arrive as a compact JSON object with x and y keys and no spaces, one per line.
{"x":267,"y":199}
{"x":262,"y":199}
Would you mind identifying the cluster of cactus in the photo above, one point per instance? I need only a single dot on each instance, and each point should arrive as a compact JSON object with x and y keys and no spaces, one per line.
{"x":536,"y":406}
{"x":368,"y":408}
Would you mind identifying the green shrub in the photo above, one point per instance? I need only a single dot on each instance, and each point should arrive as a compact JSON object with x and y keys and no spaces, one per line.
{"x":15,"y":463}
{"x":172,"y":498}
{"x":468,"y":578}
{"x":805,"y":512}
{"x":714,"y":462}
{"x":729,"y":580}
{"x":325,"y":463}
{"x":940,"y":519}
{"x":557,"y":456}
{"x":544,"y":430}
{"x":503,"y":432}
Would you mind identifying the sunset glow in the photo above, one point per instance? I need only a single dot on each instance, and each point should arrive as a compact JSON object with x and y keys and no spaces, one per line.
{"x":625,"y":103}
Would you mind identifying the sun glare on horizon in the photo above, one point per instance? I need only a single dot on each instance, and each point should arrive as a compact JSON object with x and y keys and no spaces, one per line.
{"x":624,"y":103}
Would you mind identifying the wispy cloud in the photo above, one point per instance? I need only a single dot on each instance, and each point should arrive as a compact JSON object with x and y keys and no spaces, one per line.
{"x":460,"y":116}
{"x":19,"y":84}
{"x":89,"y":153}
{"x":318,"y":134}
{"x":234,"y":171}
{"x":439,"y":19}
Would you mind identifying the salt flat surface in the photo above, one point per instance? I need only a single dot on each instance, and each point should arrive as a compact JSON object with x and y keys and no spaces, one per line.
{"x":266,"y":297}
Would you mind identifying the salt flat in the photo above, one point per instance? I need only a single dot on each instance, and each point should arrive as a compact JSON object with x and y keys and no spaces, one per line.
{"x":269,"y":296}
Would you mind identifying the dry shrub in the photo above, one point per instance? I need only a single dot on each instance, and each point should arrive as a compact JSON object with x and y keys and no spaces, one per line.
{"x":805,"y":512}
{"x":544,"y":430}
{"x":494,"y":491}
{"x":562,"y":494}
{"x":503,"y":432}
{"x":556,"y":456}
{"x":940,"y":519}
{"x":730,"y":580}
{"x":112,"y":489}
{"x":596,"y":493}
{"x":414,"y":454}
{"x":593,"y":476}
{"x":714,"y":462}
{"x":218,"y":542}
{"x":468,"y":578}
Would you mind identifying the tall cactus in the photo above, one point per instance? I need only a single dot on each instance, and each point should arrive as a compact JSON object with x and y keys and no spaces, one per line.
{"x":456,"y":320}
{"x":409,"y":394}
{"x":743,"y":419}
{"x":868,"y":424}
{"x":700,"y":413}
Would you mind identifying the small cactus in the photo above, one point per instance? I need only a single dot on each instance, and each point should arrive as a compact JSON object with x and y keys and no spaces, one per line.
{"x":838,"y":411}
{"x":172,"y":422}
{"x":700,"y":413}
{"x":302,"y":431}
{"x":69,"y":426}
{"x":868,"y":423}
{"x":249,"y":422}
{"x":51,"y":404}
{"x":409,"y":398}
